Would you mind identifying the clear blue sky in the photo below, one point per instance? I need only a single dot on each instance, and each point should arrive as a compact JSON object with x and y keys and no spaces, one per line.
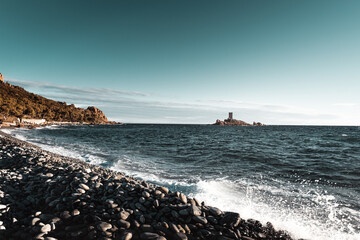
{"x":172,"y":61}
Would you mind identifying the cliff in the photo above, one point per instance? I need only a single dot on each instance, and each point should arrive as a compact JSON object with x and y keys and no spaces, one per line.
{"x":16,"y":102}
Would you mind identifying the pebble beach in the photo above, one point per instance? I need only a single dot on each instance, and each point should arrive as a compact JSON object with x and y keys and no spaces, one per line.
{"x":48,"y":196}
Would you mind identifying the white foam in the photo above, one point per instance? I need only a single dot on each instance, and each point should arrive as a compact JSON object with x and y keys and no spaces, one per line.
{"x":93,"y":159}
{"x":45,"y":144}
{"x":299,"y":222}
{"x":7,"y":131}
{"x":61,"y":151}
{"x":15,"y":133}
{"x":52,"y":126}
{"x":20,"y":137}
{"x":140,"y":169}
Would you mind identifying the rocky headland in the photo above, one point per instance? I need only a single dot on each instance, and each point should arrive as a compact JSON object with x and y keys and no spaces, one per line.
{"x":19,"y":107}
{"x":48,"y":196}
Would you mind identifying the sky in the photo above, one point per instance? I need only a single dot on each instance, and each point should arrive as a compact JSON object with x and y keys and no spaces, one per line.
{"x":171,"y":61}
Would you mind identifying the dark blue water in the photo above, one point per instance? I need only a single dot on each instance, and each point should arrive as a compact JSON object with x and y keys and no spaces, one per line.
{"x":303,"y":179}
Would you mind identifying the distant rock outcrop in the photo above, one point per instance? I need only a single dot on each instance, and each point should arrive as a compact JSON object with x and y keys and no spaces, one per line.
{"x":16,"y":102}
{"x":1,"y":78}
{"x":258,"y":124}
{"x":234,"y":122}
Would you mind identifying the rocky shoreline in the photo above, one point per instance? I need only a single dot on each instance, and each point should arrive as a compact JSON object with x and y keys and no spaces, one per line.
{"x":47,"y":196}
{"x":7,"y":125}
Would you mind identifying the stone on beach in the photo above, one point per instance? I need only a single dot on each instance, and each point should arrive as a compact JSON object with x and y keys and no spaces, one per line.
{"x":231,"y":219}
{"x":83,"y":186}
{"x":104,"y":226}
{"x":183,"y":198}
{"x":200,"y":219}
{"x":195,"y":210}
{"x":46,"y":228}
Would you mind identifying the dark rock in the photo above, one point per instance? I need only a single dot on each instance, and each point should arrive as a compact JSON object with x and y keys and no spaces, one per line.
{"x":184,"y":212}
{"x":124,"y":224}
{"x":174,"y":228}
{"x":127,"y":236}
{"x":261,"y":235}
{"x":195,"y":211}
{"x":230,"y":219}
{"x":142,"y":219}
{"x":124,"y":215}
{"x":145,"y":194}
{"x":215,"y":211}
{"x":247,"y":238}
{"x":200,"y":219}
{"x":231,"y":234}
{"x":180,"y":236}
{"x":175,"y":214}
{"x":212,"y":220}
{"x":149,"y":236}
{"x":205,"y":232}
{"x":147,"y":228}
{"x":65,"y":215}
{"x":140,"y":207}
{"x":223,"y":238}
{"x":78,"y":233}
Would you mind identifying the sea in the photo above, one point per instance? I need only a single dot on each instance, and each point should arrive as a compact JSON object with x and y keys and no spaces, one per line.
{"x":302,"y":179}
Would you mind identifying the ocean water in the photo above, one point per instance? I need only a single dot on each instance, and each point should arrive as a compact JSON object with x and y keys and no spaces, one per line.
{"x":303,"y":179}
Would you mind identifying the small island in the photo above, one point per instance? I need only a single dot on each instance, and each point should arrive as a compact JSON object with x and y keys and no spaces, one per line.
{"x":234,"y":122}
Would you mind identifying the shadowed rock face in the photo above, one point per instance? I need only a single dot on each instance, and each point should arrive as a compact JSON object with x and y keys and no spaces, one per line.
{"x":98,"y":113}
{"x":47,"y":196}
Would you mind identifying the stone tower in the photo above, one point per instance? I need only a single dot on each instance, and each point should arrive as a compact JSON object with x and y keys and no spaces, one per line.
{"x":1,"y":78}
{"x":230,"y":115}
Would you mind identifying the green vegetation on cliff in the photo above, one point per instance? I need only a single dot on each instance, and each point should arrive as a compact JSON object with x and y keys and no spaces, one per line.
{"x":17,"y":102}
